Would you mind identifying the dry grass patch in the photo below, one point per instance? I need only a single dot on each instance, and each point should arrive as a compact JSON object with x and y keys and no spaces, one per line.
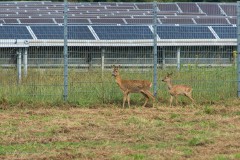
{"x":200,"y":132}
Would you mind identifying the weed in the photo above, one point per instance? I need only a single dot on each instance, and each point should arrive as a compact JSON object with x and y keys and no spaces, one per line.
{"x":195,"y":141}
{"x":136,"y":121}
{"x":237,"y":113}
{"x":221,"y":157}
{"x":237,"y":156}
{"x":174,"y":115}
{"x":209,"y":110}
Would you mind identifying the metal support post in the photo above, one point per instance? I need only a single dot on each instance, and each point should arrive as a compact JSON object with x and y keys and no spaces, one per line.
{"x":155,"y":49}
{"x":178,"y":58}
{"x":25,"y":64}
{"x":19,"y":66}
{"x":102,"y":58}
{"x":65,"y":94}
{"x":238,"y":48}
{"x":163,"y":59}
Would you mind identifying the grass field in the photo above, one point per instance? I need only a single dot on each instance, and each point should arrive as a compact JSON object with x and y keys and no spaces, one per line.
{"x":35,"y":123}
{"x":210,"y":85}
{"x":110,"y":132}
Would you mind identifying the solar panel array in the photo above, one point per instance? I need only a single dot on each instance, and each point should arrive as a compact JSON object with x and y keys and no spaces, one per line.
{"x":14,"y":32}
{"x":184,"y":32}
{"x":116,"y":13}
{"x":113,"y":32}
{"x":57,"y":32}
{"x":105,"y":21}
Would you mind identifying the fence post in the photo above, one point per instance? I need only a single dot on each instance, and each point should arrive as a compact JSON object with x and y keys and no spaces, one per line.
{"x":25,"y":65}
{"x":102,"y":59}
{"x":65,"y":94}
{"x":155,"y":48}
{"x":178,"y":58}
{"x":163,"y":59}
{"x":19,"y":65}
{"x":238,"y":48}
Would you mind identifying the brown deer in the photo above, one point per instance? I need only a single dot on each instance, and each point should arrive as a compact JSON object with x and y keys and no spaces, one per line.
{"x":176,"y":90}
{"x":132,"y":86}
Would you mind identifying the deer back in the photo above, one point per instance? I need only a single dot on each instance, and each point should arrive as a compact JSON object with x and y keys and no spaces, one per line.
{"x":180,"y":89}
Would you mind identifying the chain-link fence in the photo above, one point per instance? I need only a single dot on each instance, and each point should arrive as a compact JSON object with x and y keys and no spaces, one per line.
{"x":195,"y":41}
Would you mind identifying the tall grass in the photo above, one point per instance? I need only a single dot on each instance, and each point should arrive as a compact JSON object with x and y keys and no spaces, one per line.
{"x":93,"y":87}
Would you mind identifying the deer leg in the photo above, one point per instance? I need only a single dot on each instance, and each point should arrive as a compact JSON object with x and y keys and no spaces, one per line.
{"x":176,"y":101}
{"x":128,"y":99}
{"x":171,"y":99}
{"x":147,"y":98}
{"x":190,"y":97}
{"x":124,"y":99}
{"x":150,"y":95}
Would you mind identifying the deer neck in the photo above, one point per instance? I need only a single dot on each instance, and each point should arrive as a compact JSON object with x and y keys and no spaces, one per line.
{"x":118,"y":80}
{"x":169,"y":84}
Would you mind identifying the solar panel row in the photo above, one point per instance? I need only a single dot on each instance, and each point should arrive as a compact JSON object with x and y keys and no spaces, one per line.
{"x":202,"y":13}
{"x":122,"y":21}
{"x":184,"y":7}
{"x":117,"y":32}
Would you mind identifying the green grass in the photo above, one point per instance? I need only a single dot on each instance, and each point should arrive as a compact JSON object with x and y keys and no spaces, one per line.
{"x":210,"y":85}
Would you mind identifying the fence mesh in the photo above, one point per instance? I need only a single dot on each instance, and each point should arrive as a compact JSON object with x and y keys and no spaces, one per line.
{"x":106,"y":34}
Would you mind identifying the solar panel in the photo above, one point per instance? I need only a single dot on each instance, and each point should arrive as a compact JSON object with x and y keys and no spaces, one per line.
{"x":132,"y":13}
{"x":36,"y":20}
{"x":211,"y":20}
{"x":226,"y":32}
{"x":107,"y":21}
{"x":11,"y":21}
{"x":147,"y":16}
{"x":56,"y":32}
{"x":188,"y":7}
{"x":73,"y":20}
{"x":176,"y":21}
{"x":184,"y":32}
{"x":230,"y":10}
{"x":126,"y":4}
{"x":233,"y":20}
{"x":120,"y":7}
{"x":167,"y":7}
{"x":107,"y":3}
{"x":144,"y":6}
{"x":113,"y":16}
{"x":122,"y":32}
{"x":210,"y":8}
{"x":14,"y":32}
{"x":139,"y":20}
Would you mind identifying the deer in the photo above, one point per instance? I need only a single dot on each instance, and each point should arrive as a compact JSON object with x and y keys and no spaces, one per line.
{"x":132,"y":86}
{"x":176,"y":90}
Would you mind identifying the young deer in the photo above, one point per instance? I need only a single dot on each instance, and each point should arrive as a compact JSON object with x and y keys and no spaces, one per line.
{"x":132,"y":86}
{"x":176,"y":90}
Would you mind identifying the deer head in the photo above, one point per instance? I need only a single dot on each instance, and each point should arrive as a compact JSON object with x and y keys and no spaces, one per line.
{"x":115,"y":71}
{"x":167,"y":78}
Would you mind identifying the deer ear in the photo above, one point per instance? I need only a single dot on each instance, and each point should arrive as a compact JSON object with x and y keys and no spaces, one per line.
{"x":169,"y":74}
